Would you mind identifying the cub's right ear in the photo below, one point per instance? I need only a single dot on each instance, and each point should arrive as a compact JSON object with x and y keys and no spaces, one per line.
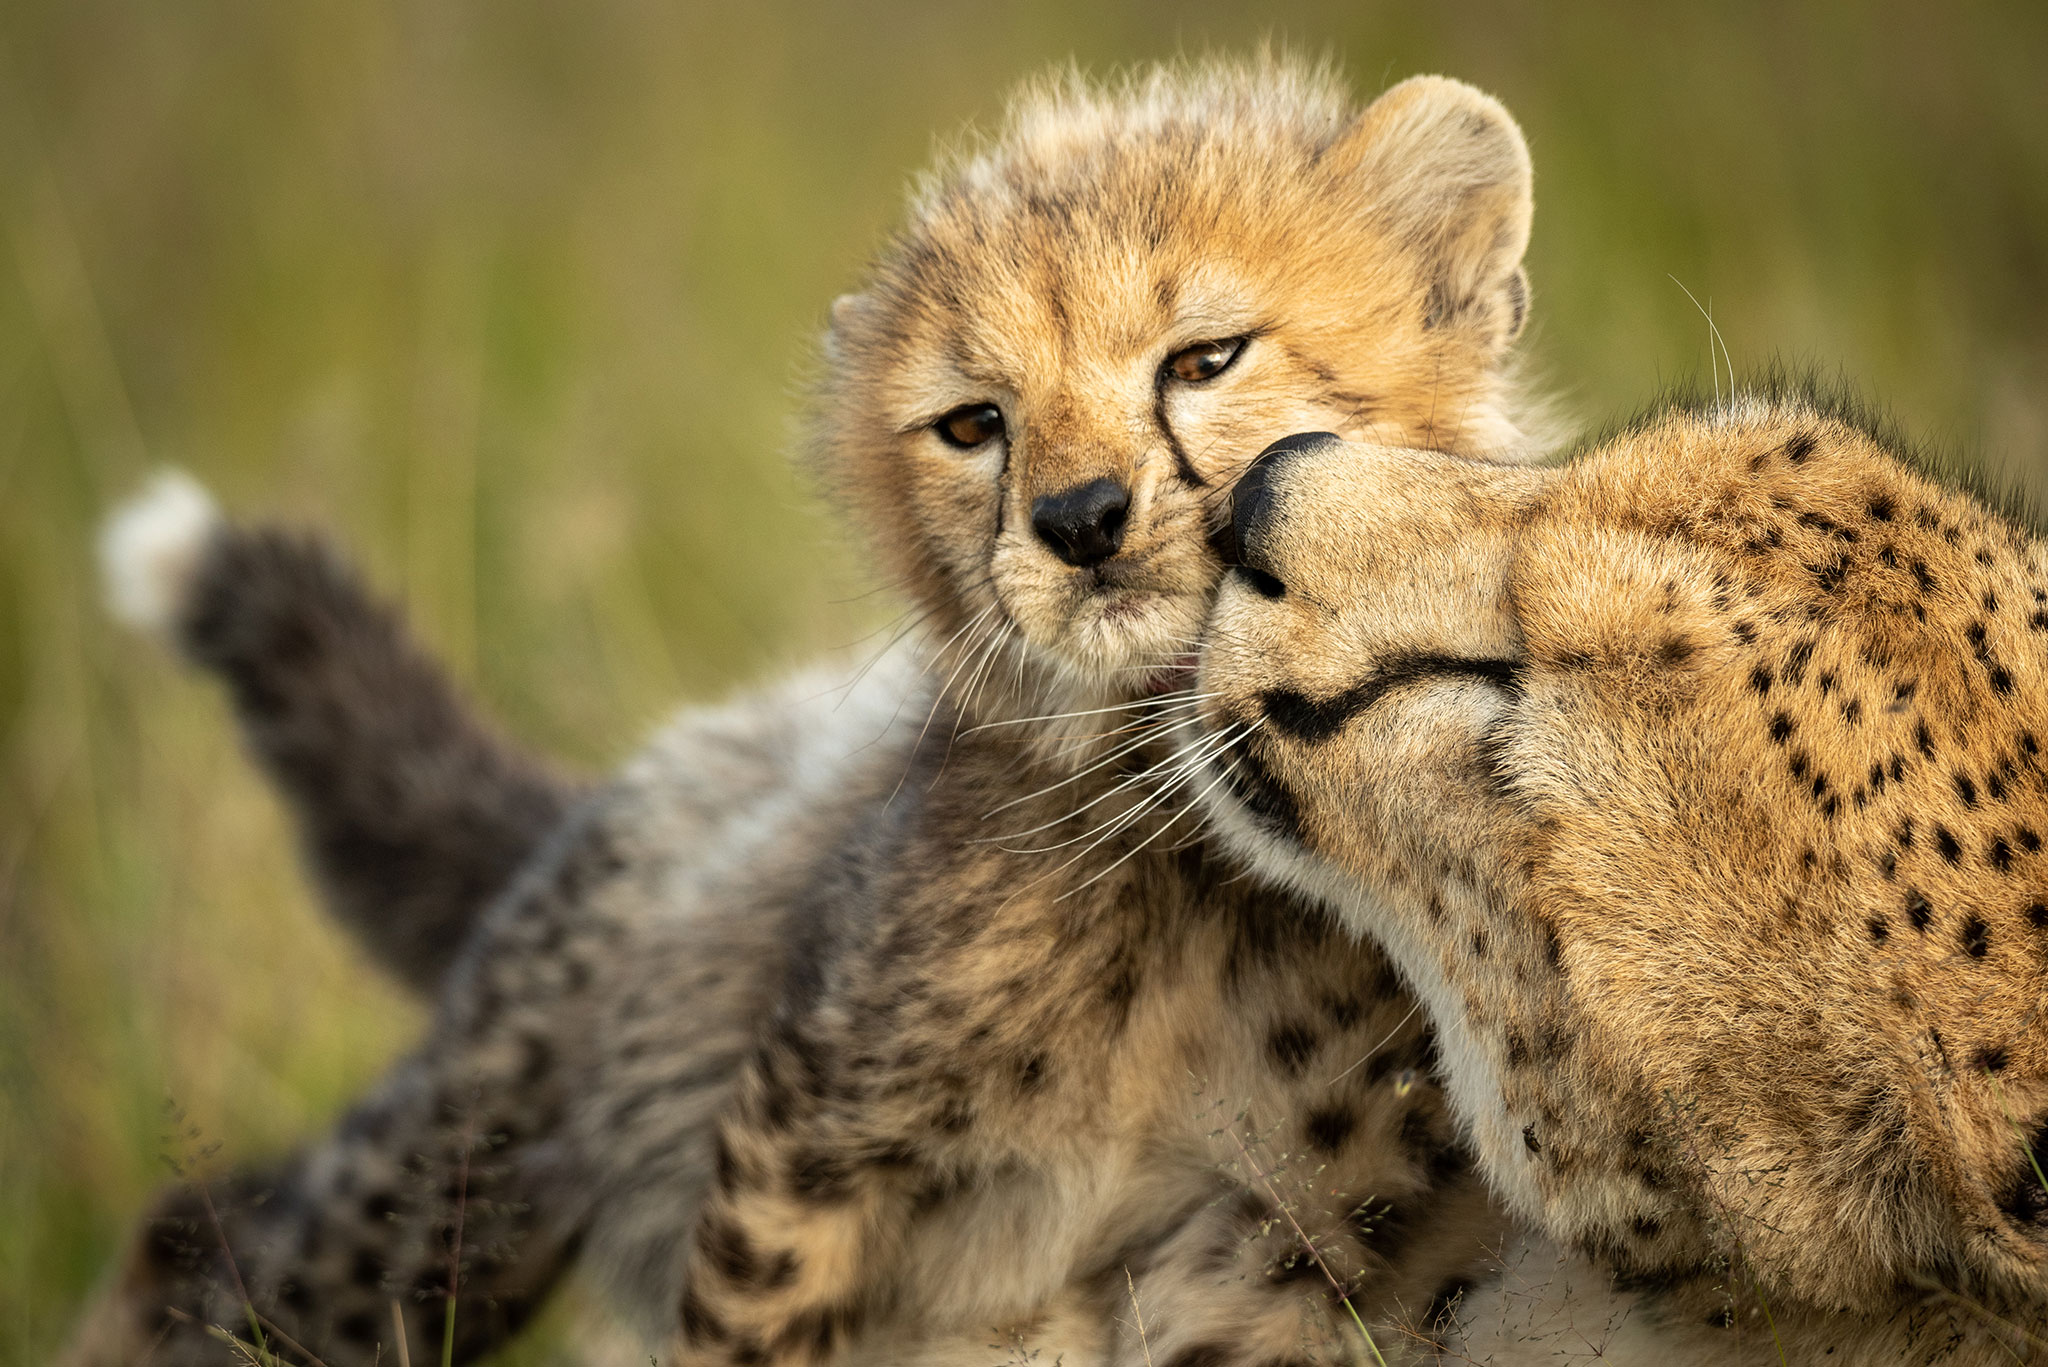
{"x":1449,"y":173}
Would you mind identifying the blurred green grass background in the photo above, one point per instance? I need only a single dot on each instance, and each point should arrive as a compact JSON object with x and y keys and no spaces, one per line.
{"x":511,"y":295}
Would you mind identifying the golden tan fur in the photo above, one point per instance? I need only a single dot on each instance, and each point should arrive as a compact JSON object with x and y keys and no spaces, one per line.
{"x":996,"y":1072}
{"x":1697,"y":788}
{"x":1373,"y":258}
{"x":1039,"y":1027}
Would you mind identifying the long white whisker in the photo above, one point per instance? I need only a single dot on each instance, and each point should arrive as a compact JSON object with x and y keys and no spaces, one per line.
{"x":1109,"y":758}
{"x":1165,"y":826}
{"x":1131,"y":817}
{"x":970,"y":624}
{"x":1164,"y":698}
{"x":1181,"y":769}
{"x":938,"y":699}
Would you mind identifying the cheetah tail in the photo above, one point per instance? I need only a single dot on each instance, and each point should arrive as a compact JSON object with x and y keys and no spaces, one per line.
{"x":412,"y":811}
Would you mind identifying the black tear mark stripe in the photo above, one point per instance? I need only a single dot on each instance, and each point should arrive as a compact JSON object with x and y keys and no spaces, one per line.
{"x":1181,"y":464}
{"x":1261,"y":794}
{"x":1314,"y":720}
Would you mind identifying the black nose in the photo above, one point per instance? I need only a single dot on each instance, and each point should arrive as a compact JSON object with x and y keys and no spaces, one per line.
{"x":1084,"y":525}
{"x":1251,"y":511}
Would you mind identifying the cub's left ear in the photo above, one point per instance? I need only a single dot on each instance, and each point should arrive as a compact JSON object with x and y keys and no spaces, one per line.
{"x":1448,"y":171}
{"x":849,"y":313}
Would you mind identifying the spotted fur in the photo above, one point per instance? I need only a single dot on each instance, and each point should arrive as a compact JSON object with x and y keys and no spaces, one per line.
{"x":1697,"y":786}
{"x":849,"y":1032}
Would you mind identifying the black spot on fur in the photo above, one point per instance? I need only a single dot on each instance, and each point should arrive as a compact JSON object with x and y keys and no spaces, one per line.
{"x":1999,"y":856}
{"x":1966,"y":788}
{"x":1976,"y":937}
{"x":2030,"y":839}
{"x":1291,"y":1045}
{"x":362,"y":1327}
{"x":366,"y":1269}
{"x":1881,"y":508}
{"x":1918,"y":909}
{"x":1945,"y":841}
{"x":1327,"y":1127}
{"x":726,"y":1247}
{"x":1992,"y":1058}
{"x":725,"y":1169}
{"x":955,"y":1116}
{"x":1796,"y":662}
{"x":1760,"y":679}
{"x":1782,"y":728}
{"x":1879,"y":929}
{"x":1799,"y":448}
{"x":818,"y":1176}
{"x":1118,"y":995}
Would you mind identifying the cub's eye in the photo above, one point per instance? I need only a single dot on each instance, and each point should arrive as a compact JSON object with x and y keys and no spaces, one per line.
{"x":969,"y":425}
{"x":1205,"y":360}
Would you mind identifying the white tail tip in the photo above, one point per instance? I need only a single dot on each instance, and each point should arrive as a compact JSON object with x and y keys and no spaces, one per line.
{"x":150,"y":549}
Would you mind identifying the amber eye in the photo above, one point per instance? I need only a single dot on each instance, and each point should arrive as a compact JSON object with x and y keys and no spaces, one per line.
{"x":1205,"y":360}
{"x":969,"y":425}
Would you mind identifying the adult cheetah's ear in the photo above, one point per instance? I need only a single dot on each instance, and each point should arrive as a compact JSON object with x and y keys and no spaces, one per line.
{"x":1449,"y":170}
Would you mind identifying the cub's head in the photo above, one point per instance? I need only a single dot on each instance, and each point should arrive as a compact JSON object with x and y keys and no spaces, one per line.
{"x":1091,"y":324}
{"x":1698,"y":787}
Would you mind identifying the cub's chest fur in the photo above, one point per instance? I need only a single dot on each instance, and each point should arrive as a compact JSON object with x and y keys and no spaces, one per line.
{"x":1083,"y":1055}
{"x":1029,"y":976}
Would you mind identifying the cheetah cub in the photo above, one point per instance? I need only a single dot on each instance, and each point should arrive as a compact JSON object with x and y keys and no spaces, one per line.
{"x":1698,"y":788}
{"x":836,"y":1035}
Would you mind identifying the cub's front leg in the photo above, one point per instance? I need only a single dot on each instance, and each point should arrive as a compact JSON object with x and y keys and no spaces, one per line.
{"x":793,"y":1240}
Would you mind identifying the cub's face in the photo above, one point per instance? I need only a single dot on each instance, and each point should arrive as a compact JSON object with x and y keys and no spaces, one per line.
{"x":1690,"y":786}
{"x":1088,"y":330}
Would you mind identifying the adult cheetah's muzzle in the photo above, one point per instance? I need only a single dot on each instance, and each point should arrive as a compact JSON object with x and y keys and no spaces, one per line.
{"x":1252,"y":511}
